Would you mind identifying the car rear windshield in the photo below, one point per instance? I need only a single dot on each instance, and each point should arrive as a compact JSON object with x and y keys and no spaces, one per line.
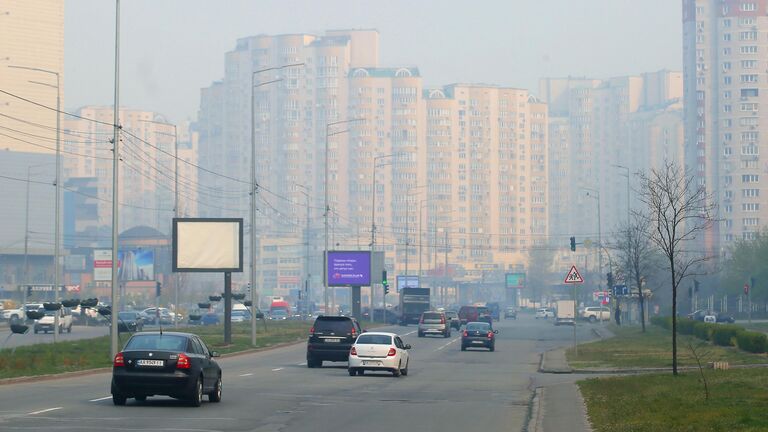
{"x":126,"y":315}
{"x":369,"y":339}
{"x":451,"y":314}
{"x":157,"y":342}
{"x":431,"y":316}
{"x":478,"y":326}
{"x":332,"y":324}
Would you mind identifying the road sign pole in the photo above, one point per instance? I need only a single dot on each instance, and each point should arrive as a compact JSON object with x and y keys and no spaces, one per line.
{"x":573,"y":277}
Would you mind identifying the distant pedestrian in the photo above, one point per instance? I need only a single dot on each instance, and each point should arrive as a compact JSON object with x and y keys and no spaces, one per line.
{"x":617,"y":315}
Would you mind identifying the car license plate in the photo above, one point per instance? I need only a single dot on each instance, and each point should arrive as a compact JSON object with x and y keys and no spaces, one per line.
{"x":334,"y":340}
{"x":153,"y":363}
{"x":371,"y":363}
{"x":477,"y":342}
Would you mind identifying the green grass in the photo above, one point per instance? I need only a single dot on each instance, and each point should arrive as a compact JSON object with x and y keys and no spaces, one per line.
{"x":761,"y":327}
{"x":646,"y":403}
{"x":44,"y":359}
{"x":633,"y":349}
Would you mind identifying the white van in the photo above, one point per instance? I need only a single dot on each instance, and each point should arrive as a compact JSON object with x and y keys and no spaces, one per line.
{"x":47,"y":323}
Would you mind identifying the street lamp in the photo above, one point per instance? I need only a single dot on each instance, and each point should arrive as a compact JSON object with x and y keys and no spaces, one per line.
{"x":599,"y":242}
{"x":252,"y":192}
{"x":407,"y":223}
{"x":26,"y":225}
{"x":57,"y":217}
{"x":326,"y":208}
{"x":305,"y":191}
{"x":373,"y":220}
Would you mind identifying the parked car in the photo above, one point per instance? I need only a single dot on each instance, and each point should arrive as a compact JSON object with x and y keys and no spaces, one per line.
{"x":544,"y":313}
{"x":376,"y":351}
{"x":166,"y":316}
{"x":725,"y":318}
{"x":434,"y":323}
{"x":596,"y":313}
{"x":48,"y":322}
{"x":453,"y":316}
{"x":699,"y":315}
{"x":510,"y":313}
{"x":179,"y":365}
{"x":330,"y":339}
{"x":129,"y":321}
{"x":240,"y":316}
{"x":479,"y":335}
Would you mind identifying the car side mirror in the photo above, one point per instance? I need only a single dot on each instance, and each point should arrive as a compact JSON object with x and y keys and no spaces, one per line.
{"x":365,"y":331}
{"x":407,"y":346}
{"x":215,"y":354}
{"x":495,"y":332}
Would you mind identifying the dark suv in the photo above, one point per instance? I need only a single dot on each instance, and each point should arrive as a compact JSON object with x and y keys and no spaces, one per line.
{"x":330,"y":339}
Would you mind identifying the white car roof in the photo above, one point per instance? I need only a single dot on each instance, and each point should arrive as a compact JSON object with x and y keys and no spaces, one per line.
{"x":380,"y":333}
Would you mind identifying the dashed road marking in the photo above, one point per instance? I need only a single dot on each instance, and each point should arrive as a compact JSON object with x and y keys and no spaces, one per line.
{"x":277,"y":369}
{"x":445,"y":345}
{"x":44,"y":411}
{"x":246,"y":374}
{"x":100,"y":399}
{"x":410,"y":333}
{"x":302,"y":364}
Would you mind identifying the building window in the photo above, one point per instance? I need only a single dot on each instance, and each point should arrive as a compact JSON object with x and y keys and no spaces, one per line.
{"x":750,"y":178}
{"x":747,"y":35}
{"x":750,"y":150}
{"x":750,"y":193}
{"x":750,"y":207}
{"x":726,"y":80}
{"x":726,"y":108}
{"x":749,"y":78}
{"x":751,"y":106}
{"x":749,"y":64}
{"x":748,"y":7}
{"x":748,"y":49}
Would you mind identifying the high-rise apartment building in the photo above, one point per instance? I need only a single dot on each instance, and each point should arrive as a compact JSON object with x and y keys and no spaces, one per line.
{"x":724,"y":62}
{"x":147,"y":187}
{"x":31,"y":36}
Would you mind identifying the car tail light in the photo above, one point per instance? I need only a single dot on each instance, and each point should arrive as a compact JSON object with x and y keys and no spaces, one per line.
{"x":490,"y":334}
{"x":465,"y":333}
{"x":119,"y":360}
{"x":442,"y":320}
{"x":354,"y":332}
{"x":311,"y":330}
{"x":392,"y":352}
{"x":421,"y":320}
{"x":183,"y":362}
{"x":353,"y":351}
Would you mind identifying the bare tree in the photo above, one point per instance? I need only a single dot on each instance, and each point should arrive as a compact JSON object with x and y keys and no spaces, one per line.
{"x":678,"y":210}
{"x":637,"y":252}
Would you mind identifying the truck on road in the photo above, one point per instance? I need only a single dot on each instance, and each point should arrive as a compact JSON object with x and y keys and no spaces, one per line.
{"x":566,"y":312}
{"x":413,"y":301}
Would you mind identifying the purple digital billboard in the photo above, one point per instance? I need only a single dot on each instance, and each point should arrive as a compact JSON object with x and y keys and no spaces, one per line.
{"x":349,"y":268}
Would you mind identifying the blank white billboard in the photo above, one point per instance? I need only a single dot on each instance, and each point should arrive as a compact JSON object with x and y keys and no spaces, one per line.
{"x":207,"y":245}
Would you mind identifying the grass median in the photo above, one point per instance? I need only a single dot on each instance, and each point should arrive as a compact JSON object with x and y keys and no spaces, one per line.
{"x":661,"y":402}
{"x":631,"y":348}
{"x":761,"y":327}
{"x":84,"y":354}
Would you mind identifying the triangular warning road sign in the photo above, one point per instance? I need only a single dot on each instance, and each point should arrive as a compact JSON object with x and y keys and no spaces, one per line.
{"x":573,"y":276}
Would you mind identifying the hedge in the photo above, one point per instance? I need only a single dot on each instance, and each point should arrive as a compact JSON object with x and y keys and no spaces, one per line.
{"x":753,"y":342}
{"x":725,"y":334}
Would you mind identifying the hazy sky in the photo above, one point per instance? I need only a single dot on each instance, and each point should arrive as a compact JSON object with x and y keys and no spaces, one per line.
{"x":173,"y":48}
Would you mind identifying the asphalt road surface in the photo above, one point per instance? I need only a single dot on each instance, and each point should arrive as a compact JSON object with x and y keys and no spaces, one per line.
{"x":78,"y":332}
{"x":446,"y":390}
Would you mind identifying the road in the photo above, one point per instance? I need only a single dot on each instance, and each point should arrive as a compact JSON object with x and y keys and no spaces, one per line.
{"x":78,"y":332}
{"x":446,"y":390}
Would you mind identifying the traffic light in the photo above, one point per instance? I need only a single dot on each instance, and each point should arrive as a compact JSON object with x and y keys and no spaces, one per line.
{"x":610,"y":279}
{"x":158,"y":289}
{"x":573,"y":244}
{"x":385,"y":282}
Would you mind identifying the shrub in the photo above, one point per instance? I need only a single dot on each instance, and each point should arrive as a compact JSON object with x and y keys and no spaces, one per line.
{"x":663,"y":322}
{"x":685,"y":326}
{"x":753,"y":342}
{"x":724,"y":335}
{"x":703,"y":330}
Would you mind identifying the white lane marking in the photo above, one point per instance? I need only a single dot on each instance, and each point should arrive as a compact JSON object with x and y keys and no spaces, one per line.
{"x":277,"y":369}
{"x":452,"y":341}
{"x":245,"y":375}
{"x":100,"y":399}
{"x":44,"y":411}
{"x":302,"y":364}
{"x":410,"y":333}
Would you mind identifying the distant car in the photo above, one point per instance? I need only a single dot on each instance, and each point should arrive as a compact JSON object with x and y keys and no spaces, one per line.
{"x":545,"y":313}
{"x":179,"y":365}
{"x":151,"y":314}
{"x":434,"y":323}
{"x":211,"y":318}
{"x":379,"y":352}
{"x":330,"y":339}
{"x":240,"y":316}
{"x":699,"y":315}
{"x":479,"y":335}
{"x":278,"y":314}
{"x":725,"y":318}
{"x":453,"y":316}
{"x":48,"y":322}
{"x":510,"y":313}
{"x":595,"y":313}
{"x":130,"y":321}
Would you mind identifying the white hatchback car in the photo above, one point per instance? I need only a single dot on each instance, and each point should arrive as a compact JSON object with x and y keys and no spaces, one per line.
{"x":545,"y":313}
{"x":376,"y":351}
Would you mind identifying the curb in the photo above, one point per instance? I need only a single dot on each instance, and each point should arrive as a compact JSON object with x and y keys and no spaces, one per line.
{"x":96,"y":371}
{"x":657,"y":370}
{"x":535,"y":411}
{"x":542,"y":369}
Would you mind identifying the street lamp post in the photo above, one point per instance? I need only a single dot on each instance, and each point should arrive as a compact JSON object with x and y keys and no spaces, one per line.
{"x":57,"y":217}
{"x":252,"y":191}
{"x":599,"y":242}
{"x":305,"y":192}
{"x":629,"y":264}
{"x":407,"y":226}
{"x":373,"y":222}
{"x":326,"y":208}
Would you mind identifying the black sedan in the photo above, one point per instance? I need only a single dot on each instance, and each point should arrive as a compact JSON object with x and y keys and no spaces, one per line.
{"x":479,"y":335}
{"x":130,"y":321}
{"x":178,"y":365}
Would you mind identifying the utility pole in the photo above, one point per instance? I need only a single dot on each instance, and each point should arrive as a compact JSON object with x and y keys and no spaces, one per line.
{"x":115,"y":185}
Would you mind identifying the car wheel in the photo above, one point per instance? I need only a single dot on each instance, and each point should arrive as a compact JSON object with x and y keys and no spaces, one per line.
{"x":421,"y":334}
{"x":447,"y":334}
{"x":352,"y":371}
{"x":37,"y":331}
{"x":69,"y":329}
{"x":593,"y":319}
{"x":140,"y":398}
{"x":215,"y":395}
{"x":405,"y":371}
{"x":492,"y":348}
{"x":118,"y":399}
{"x":196,"y":398}
{"x":396,"y":372}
